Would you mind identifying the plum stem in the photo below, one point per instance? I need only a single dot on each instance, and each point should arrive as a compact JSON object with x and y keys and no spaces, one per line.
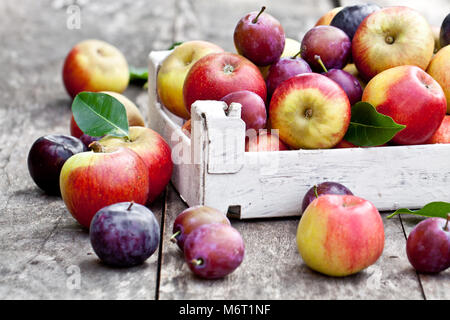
{"x":173,"y":238}
{"x":319,"y":60}
{"x":446,"y":223}
{"x":96,"y":147}
{"x":315,"y":191}
{"x":296,"y":55}
{"x":197,"y":262}
{"x":260,"y":12}
{"x":131,"y":204}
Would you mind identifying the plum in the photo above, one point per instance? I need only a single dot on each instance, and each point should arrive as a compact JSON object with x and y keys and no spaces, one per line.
{"x":259,"y":37}
{"x":214,"y":250}
{"x":349,"y":18}
{"x":428,"y":245}
{"x":321,"y":189}
{"x":124,"y":234}
{"x":331,"y":44}
{"x":46,"y":158}
{"x":444,"y":35}
{"x":192,"y":218}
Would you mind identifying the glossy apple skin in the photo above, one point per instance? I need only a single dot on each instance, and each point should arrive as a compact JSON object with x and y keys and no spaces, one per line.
{"x":412,"y":98}
{"x":328,"y":187}
{"x":439,"y":69}
{"x":350,"y":17}
{"x":253,"y":110}
{"x":124,"y":234}
{"x":444,"y":34}
{"x":284,"y":69}
{"x":173,"y":72}
{"x":339,"y":235}
{"x":90,"y":181}
{"x":153,"y":150}
{"x":327,"y":17}
{"x":330,"y":43}
{"x":219,"y":246}
{"x":348,"y":82}
{"x":442,"y":134}
{"x":94,"y":65}
{"x":191,"y":218}
{"x":413,"y":41}
{"x":46,"y":158}
{"x":428,"y":246}
{"x":264,"y":141}
{"x":262,"y":42}
{"x":218,"y":74}
{"x":310,"y":111}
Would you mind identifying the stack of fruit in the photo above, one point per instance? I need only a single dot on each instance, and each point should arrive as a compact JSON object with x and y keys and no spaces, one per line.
{"x":355,"y":57}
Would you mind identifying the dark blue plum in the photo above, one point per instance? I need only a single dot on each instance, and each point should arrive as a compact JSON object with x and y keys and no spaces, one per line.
{"x":321,"y":189}
{"x":350,"y":17}
{"x":444,"y":35}
{"x":46,"y":157}
{"x":124,"y":234}
{"x":214,"y":250}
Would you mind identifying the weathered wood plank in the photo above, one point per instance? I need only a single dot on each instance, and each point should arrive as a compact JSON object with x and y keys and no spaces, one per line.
{"x":273,"y":269}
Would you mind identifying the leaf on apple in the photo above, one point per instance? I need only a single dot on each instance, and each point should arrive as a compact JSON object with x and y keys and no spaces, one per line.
{"x":370,"y":128}
{"x":438,"y":209}
{"x":98,"y":114}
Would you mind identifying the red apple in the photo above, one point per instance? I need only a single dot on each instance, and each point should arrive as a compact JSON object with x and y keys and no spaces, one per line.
{"x":410,"y":97}
{"x":390,"y":37}
{"x":339,"y":235}
{"x":218,"y":74}
{"x":90,"y":181}
{"x":152,"y":149}
{"x":442,"y":134}
{"x":94,"y":65}
{"x":264,"y":141}
{"x":310,"y":111}
{"x":253,"y":110}
{"x":327,"y":17}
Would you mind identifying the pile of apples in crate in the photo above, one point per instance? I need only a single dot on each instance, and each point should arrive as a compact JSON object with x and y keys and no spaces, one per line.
{"x":362,"y":76}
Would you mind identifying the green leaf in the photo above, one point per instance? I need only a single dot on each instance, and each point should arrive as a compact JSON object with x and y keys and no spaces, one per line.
{"x":138,"y":74}
{"x":369,"y":128}
{"x":98,"y":114}
{"x":175,"y":44}
{"x":433,"y":209}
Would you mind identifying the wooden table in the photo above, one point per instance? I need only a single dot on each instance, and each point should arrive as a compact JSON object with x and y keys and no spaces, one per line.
{"x":45,"y":254}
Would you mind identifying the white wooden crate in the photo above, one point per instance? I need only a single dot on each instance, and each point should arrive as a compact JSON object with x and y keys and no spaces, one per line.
{"x":213,"y":169}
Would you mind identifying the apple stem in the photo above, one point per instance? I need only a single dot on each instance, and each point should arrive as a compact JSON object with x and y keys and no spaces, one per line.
{"x":197,"y":262}
{"x":315,"y":191}
{"x":446,"y":223}
{"x":256,"y":18}
{"x":173,"y":238}
{"x":131,"y":204}
{"x":96,"y":147}
{"x":296,"y":55}
{"x":319,"y":60}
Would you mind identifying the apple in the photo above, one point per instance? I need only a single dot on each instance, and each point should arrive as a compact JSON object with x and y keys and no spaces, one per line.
{"x":259,"y":37}
{"x":310,"y":111}
{"x":340,"y":235}
{"x":94,"y":65}
{"x":253,"y":108}
{"x":135,"y":117}
{"x":218,"y":74}
{"x":410,"y":97}
{"x":439,"y":69}
{"x":442,"y":134}
{"x":152,"y":149}
{"x":291,"y":49}
{"x":327,"y":17}
{"x":390,"y":37}
{"x":91,"y":180}
{"x":264,"y":141}
{"x":173,"y":72}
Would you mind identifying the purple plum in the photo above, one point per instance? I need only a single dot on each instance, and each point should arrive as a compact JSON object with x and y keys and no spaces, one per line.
{"x":321,"y":189}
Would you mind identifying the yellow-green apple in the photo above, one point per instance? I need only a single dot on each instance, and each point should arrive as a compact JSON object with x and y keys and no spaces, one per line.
{"x":327,"y":17}
{"x":94,"y":65}
{"x":390,"y":37}
{"x":339,"y":235}
{"x":442,"y":134}
{"x":173,"y":72}
{"x":218,"y":74}
{"x":410,"y":97}
{"x":291,"y":48}
{"x":310,"y":111}
{"x":134,"y":116}
{"x":439,"y":69}
{"x":91,"y":180}
{"x":152,"y":149}
{"x":264,"y":141}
